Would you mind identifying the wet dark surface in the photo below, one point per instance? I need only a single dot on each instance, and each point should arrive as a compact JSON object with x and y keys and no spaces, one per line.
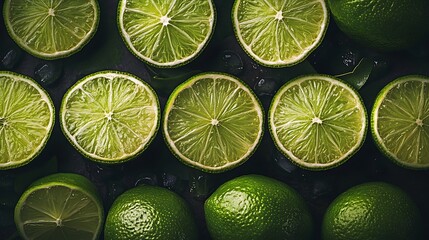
{"x":157,"y":166}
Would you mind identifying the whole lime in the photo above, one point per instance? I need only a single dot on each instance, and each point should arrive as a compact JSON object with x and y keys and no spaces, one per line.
{"x":150,"y":212}
{"x":385,"y":25}
{"x":256,"y":207}
{"x":375,"y":211}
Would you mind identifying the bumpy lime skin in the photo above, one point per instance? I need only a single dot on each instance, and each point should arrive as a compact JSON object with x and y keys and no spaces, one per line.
{"x":372,"y":211}
{"x":149,"y":212}
{"x":255,"y":207}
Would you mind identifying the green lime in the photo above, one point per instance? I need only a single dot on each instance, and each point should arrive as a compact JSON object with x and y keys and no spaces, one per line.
{"x":166,"y":33}
{"x":317,"y":121}
{"x":400,"y":121}
{"x":150,"y":212}
{"x":110,"y":116}
{"x":382,"y":24}
{"x":279,"y":33}
{"x":51,"y":29}
{"x":26,"y":119}
{"x":375,"y":210}
{"x":213,"y":122}
{"x":60,"y":206}
{"x":255,"y":207}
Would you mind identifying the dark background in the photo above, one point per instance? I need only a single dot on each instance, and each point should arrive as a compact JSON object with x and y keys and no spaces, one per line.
{"x":337,"y":54}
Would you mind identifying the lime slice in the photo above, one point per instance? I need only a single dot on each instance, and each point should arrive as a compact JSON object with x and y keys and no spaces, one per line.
{"x":51,"y":29}
{"x":60,"y":206}
{"x":213,"y":122}
{"x":110,"y":116}
{"x":400,"y":121}
{"x":279,"y":33}
{"x":26,"y":119}
{"x":166,"y":33}
{"x":317,"y":121}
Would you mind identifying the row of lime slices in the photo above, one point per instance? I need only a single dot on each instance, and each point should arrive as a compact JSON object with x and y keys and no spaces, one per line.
{"x":213,"y":121}
{"x":167,"y":33}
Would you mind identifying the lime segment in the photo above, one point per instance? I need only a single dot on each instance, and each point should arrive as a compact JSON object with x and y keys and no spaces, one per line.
{"x":400,"y":121}
{"x":110,"y":116}
{"x":279,"y":33}
{"x":51,"y":29}
{"x":26,"y":119}
{"x":317,"y":121}
{"x":213,"y":122}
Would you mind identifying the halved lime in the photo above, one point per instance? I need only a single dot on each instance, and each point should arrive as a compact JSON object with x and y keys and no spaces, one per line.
{"x":166,"y":33}
{"x":213,"y":122}
{"x":400,"y":121}
{"x":26,"y":119}
{"x":51,"y":29}
{"x":60,"y":206}
{"x":110,"y":116}
{"x":278,"y":33}
{"x":317,"y":121}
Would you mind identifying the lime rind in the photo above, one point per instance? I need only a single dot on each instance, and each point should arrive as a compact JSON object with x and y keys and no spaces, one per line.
{"x":404,"y":122}
{"x":61,"y":35}
{"x":170,"y":46}
{"x":142,"y":132}
{"x":286,"y":46}
{"x":31,"y":128}
{"x":345,"y":142}
{"x":221,"y":161}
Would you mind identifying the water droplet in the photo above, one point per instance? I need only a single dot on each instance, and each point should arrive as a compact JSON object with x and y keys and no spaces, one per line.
{"x":232,"y":63}
{"x":48,"y":73}
{"x":11,"y":58}
{"x":266,"y":87}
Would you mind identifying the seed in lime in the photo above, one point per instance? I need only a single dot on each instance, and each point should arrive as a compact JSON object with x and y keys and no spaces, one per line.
{"x":257,"y":207}
{"x":166,"y":33}
{"x":26,"y":119}
{"x":51,"y":29}
{"x":317,"y":121}
{"x":60,"y":206}
{"x":374,"y":210}
{"x":149,"y":212}
{"x":110,"y":116}
{"x":400,"y":121}
{"x":213,"y":122}
{"x":279,"y":33}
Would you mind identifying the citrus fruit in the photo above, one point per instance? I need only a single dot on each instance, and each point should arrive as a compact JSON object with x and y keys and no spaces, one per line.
{"x":255,"y":207}
{"x":51,"y":29}
{"x":317,"y":121}
{"x":110,"y":116}
{"x":382,"y":24}
{"x":60,"y":206}
{"x":373,"y":210}
{"x":279,"y":33}
{"x":213,"y":122}
{"x":166,"y":33}
{"x":26,"y":119}
{"x":400,"y":121}
{"x":150,"y":212}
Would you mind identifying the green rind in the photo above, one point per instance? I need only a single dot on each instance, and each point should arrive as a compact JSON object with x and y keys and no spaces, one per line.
{"x":170,"y":103}
{"x":336,"y":164}
{"x":62,"y":107}
{"x":163,"y":65}
{"x":49,"y":56}
{"x":379,"y":99}
{"x":233,"y":12}
{"x":40,"y":88}
{"x":69,"y":180}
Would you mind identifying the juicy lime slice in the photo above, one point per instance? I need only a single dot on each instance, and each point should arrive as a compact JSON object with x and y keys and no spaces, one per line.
{"x":279,"y":33}
{"x":60,"y":206}
{"x":51,"y":29}
{"x":166,"y":33}
{"x":110,"y":116}
{"x":213,"y":122}
{"x":400,"y":121}
{"x":26,"y":119}
{"x":317,"y":121}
